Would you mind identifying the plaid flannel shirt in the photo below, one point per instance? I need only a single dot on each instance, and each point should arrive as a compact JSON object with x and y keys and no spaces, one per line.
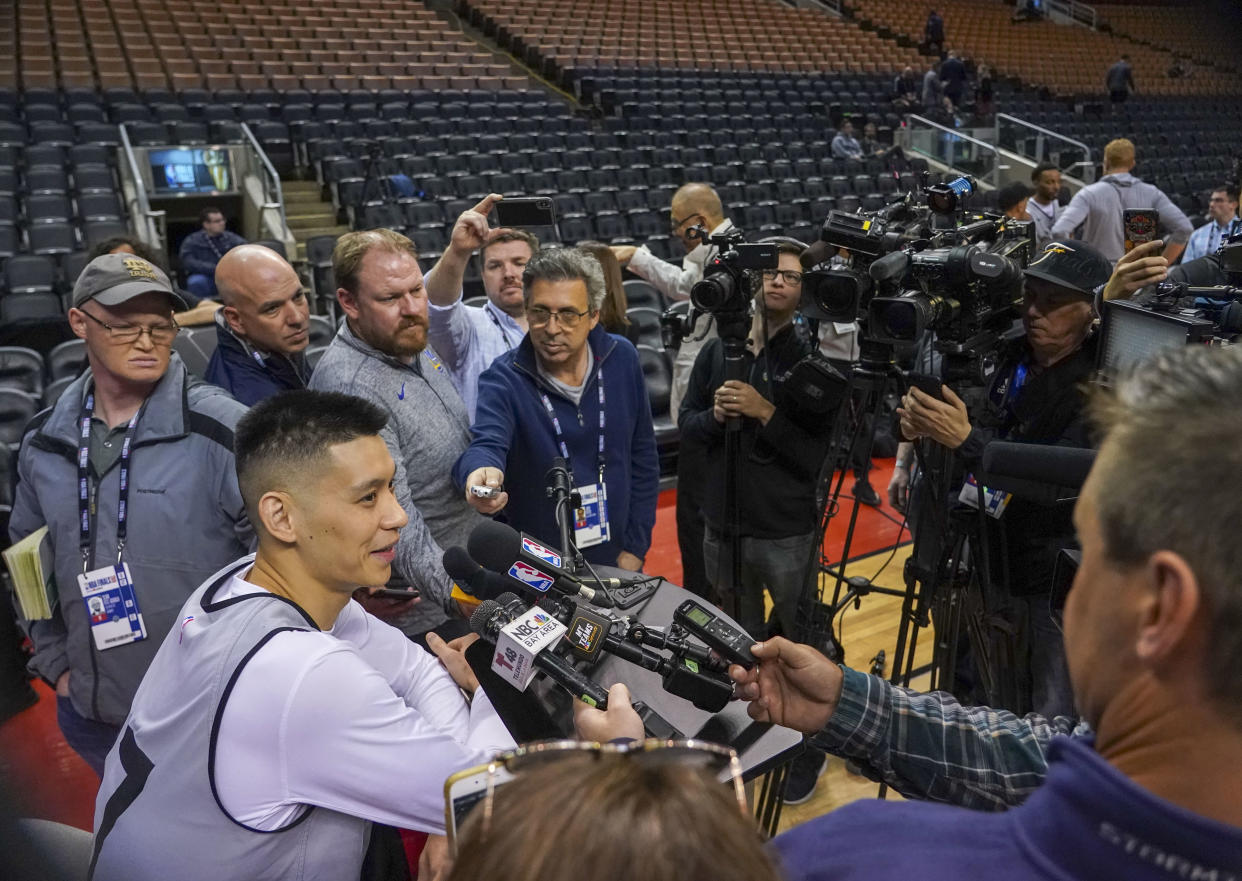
{"x":930,"y":747}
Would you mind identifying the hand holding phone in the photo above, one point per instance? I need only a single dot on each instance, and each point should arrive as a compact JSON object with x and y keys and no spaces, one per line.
{"x":927,"y":384}
{"x":1140,"y":225}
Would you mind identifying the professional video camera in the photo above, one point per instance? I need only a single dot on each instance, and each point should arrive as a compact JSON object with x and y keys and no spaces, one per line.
{"x":1173,"y":314}
{"x":729,"y":282}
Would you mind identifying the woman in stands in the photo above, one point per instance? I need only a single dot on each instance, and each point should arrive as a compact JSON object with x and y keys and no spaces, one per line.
{"x":612,"y":314}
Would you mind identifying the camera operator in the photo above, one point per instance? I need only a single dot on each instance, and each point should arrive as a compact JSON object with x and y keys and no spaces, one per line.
{"x":781,"y":448}
{"x":1035,"y":397}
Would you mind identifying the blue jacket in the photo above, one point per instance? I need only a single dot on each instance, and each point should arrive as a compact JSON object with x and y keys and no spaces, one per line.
{"x":1088,"y":821}
{"x":248,"y":375}
{"x":512,"y":432}
{"x":199,"y":253}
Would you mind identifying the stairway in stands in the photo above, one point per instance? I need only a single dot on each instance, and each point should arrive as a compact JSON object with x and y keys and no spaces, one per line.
{"x":308,"y":214}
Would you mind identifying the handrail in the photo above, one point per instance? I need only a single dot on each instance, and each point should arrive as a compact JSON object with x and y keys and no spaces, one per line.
{"x":150,"y":232}
{"x":274,"y":178}
{"x":1076,"y":11}
{"x":1085,"y":162}
{"x":967,"y":138}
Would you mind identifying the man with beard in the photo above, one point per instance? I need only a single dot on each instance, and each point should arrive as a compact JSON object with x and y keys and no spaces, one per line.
{"x":381,"y":354}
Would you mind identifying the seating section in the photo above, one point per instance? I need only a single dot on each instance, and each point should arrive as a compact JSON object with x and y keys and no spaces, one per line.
{"x":280,"y":45}
{"x":1069,"y":60}
{"x":1197,"y":37}
{"x":560,"y":37}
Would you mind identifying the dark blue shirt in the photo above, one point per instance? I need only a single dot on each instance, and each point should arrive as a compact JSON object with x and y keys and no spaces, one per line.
{"x":251,"y":376}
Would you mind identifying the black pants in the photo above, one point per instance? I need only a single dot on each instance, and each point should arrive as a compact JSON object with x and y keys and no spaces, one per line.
{"x":691,"y":478}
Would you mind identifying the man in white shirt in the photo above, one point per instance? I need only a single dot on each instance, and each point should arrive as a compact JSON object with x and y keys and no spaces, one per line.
{"x":693,"y":206}
{"x":277,"y":701}
{"x":466,"y":338}
{"x":1223,"y":211}
{"x":1044,"y":206}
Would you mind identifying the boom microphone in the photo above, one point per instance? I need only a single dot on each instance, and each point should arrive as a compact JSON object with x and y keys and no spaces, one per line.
{"x":503,"y":549}
{"x":1036,"y":471}
{"x":492,"y":615}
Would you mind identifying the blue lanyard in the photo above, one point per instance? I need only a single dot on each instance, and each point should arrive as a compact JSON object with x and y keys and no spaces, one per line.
{"x":560,"y":437}
{"x":496,"y":321}
{"x":84,"y":495}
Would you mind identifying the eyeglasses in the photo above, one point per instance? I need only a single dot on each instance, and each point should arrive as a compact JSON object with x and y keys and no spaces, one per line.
{"x":709,"y":757}
{"x":674,"y":224}
{"x":538,"y":316}
{"x":160,"y":334}
{"x":791,"y":276}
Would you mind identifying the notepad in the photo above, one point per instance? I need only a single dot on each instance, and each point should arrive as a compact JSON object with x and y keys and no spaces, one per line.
{"x":31,"y":565}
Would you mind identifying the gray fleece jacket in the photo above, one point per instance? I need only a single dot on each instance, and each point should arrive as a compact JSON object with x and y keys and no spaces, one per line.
{"x":428,"y":428}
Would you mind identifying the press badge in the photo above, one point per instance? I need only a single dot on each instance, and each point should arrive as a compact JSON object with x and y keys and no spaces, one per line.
{"x":111,"y":606}
{"x":994,"y":500}
{"x":591,"y":518}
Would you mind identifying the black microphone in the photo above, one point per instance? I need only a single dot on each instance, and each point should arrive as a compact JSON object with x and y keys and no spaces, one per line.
{"x":558,"y":479}
{"x":502,"y":549}
{"x":473,"y":578}
{"x":492,"y":615}
{"x":1035,"y":471}
{"x":819,"y":252}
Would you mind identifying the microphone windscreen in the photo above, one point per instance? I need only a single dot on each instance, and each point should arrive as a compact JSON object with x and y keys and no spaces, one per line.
{"x":483,"y":614}
{"x":1009,"y":465}
{"x":460,"y":566}
{"x":494,"y":545}
{"x":817,"y":254}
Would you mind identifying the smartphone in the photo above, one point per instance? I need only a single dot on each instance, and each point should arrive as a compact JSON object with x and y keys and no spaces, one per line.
{"x":525,"y":212}
{"x":464,"y":791}
{"x":1140,"y":225}
{"x":926,"y":383}
{"x":393,"y":593}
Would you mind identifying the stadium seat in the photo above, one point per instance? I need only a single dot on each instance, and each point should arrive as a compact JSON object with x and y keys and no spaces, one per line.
{"x":647,"y":320}
{"x":52,"y":238}
{"x":17,"y":408}
{"x":67,"y":360}
{"x":21,"y":368}
{"x":640,"y":293}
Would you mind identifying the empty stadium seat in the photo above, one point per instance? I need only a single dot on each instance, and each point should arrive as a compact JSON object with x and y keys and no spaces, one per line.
{"x":21,"y":368}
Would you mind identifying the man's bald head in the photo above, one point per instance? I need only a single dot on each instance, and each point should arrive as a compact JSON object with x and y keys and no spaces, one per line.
{"x":694,"y":205}
{"x":263,"y":299}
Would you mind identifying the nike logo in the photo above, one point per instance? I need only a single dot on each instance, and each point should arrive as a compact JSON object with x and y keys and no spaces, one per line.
{"x":401,"y":394}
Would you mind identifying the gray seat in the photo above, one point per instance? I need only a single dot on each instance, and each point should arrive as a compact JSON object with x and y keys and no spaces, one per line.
{"x":21,"y":368}
{"x":642,"y":293}
{"x":321,"y":331}
{"x":16,"y":409}
{"x":67,"y":361}
{"x":56,"y":388}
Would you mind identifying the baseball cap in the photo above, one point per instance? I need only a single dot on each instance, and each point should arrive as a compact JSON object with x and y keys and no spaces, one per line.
{"x":113,"y":279}
{"x":1072,"y":265}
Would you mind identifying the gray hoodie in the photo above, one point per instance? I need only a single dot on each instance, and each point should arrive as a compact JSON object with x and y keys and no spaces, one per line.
{"x":1098,"y":210}
{"x":428,"y":428}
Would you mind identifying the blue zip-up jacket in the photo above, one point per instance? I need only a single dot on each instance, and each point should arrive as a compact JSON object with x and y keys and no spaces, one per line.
{"x":512,"y":432}
{"x":249,"y":375}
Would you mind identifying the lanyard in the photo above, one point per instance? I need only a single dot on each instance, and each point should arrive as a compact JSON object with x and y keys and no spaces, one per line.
{"x":84,"y":499}
{"x":560,"y":437}
{"x":496,"y":321}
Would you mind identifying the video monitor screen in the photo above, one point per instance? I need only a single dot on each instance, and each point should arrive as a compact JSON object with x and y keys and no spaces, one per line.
{"x":198,"y":170}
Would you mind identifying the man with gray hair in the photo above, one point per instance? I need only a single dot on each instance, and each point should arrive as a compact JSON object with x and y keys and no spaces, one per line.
{"x":573,"y":390}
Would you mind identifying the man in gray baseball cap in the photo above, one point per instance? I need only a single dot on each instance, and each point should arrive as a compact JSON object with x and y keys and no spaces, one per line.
{"x":132,"y":472}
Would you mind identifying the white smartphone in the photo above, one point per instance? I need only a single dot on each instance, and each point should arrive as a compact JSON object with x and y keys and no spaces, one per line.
{"x":463,"y":792}
{"x":484,"y":492}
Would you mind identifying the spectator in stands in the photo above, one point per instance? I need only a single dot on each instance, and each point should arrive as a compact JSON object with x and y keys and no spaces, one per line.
{"x":907,"y":91}
{"x":264,"y":328}
{"x":202,"y":249}
{"x":1043,"y":206}
{"x":985,"y":93}
{"x":1011,"y":199}
{"x":381,"y":354}
{"x":1120,"y":80}
{"x":782,"y":448}
{"x":469,"y":339}
{"x":325,"y":706}
{"x":170,"y":513}
{"x":933,"y":33}
{"x":1223,"y":211}
{"x":845,"y":145}
{"x":933,"y":90}
{"x":612,"y":314}
{"x":694,"y":206}
{"x":1152,"y":648}
{"x":953,"y":75}
{"x":570,"y":389}
{"x":1095,"y":213}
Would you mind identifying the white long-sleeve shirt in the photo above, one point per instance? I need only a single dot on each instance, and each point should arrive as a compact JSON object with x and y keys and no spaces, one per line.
{"x":356,"y":719}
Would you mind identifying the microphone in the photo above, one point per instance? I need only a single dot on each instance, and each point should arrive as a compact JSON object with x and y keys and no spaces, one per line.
{"x":817,"y":254}
{"x":558,"y":479}
{"x":471,"y":577}
{"x":503,"y":549}
{"x":1035,"y":471}
{"x":492,"y":615}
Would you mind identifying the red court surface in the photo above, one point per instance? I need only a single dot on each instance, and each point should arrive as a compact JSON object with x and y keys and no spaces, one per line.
{"x":48,"y":780}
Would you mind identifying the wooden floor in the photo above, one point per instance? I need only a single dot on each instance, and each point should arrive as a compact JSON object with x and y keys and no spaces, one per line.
{"x":864,"y":632}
